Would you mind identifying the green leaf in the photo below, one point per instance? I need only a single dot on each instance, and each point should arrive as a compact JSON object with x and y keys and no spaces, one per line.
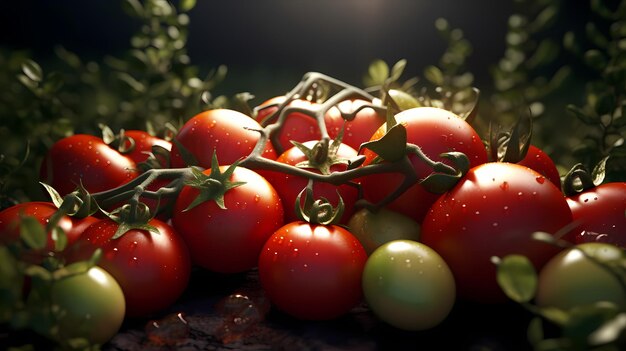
{"x":605,"y":104}
{"x":33,"y":233}
{"x":582,"y":115}
{"x":132,"y":82}
{"x":599,"y":171}
{"x":188,"y":157}
{"x":535,"y":331}
{"x":586,"y":319}
{"x":546,"y":53}
{"x":133,"y":7}
{"x":396,"y":70}
{"x":595,"y":59}
{"x":378,"y":73}
{"x":434,"y":75}
{"x":609,"y":331}
{"x":32,"y":70}
{"x":186,"y":5}
{"x":39,"y":272}
{"x":545,"y":19}
{"x":392,"y":146}
{"x":517,"y":277}
{"x":56,"y":198}
{"x":59,"y":237}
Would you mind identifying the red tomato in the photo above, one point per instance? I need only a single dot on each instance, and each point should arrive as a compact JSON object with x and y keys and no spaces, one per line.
{"x":435,"y":131}
{"x":600,"y":214}
{"x":87,"y":159}
{"x":42,"y":211}
{"x":152,"y":269}
{"x":542,"y":163}
{"x":312,"y":271}
{"x":230,"y":133}
{"x":493,"y":211}
{"x":288,"y":186}
{"x":365,"y":123}
{"x":298,"y":126}
{"x":229,"y":240}
{"x":143,"y":142}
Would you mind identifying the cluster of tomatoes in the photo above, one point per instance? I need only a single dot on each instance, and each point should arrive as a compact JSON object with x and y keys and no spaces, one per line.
{"x":331,"y":210}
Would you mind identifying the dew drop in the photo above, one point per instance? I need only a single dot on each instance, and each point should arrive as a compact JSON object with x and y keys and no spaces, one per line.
{"x":477,"y":212}
{"x":504,"y":185}
{"x":520,"y":193}
{"x":540,"y":179}
{"x":257,"y":197}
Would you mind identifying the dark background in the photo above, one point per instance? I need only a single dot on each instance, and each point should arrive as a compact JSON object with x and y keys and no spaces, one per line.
{"x":268,"y":44}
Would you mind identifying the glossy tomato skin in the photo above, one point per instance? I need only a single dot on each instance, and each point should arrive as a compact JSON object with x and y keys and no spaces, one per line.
{"x":87,"y":159}
{"x":436,"y":131}
{"x":42,"y":211}
{"x":408,"y":285}
{"x":374,"y":229}
{"x":288,"y":186}
{"x":228,"y":132}
{"x":363,"y":126}
{"x":312,"y":272}
{"x":298,"y":126}
{"x":493,"y":211}
{"x":571,"y":279}
{"x":91,"y":306}
{"x":143,"y":142}
{"x":153,"y":269}
{"x":229,"y":240}
{"x":600,"y":214}
{"x":538,"y":160}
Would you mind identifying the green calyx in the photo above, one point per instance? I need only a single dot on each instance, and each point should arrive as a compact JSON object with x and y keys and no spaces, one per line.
{"x":213,"y":186}
{"x":511,"y":146}
{"x":579,"y":179}
{"x":321,"y":156}
{"x":317,"y":211}
{"x":129,"y":217}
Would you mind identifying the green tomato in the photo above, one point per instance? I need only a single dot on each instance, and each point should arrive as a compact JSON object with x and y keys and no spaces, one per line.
{"x":408,"y":285}
{"x":403,"y":99}
{"x":572,"y":279}
{"x":89,"y":305}
{"x":374,"y":229}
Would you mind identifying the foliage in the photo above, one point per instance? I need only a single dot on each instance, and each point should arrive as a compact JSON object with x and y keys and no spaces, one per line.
{"x":152,"y":87}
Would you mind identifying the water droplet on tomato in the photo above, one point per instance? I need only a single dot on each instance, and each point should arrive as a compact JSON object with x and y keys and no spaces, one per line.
{"x":295,"y":253}
{"x":540,"y":179}
{"x":520,"y":193}
{"x":504,"y":185}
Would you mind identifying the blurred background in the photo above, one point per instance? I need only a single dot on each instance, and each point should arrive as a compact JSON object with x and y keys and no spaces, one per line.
{"x":67,"y":66}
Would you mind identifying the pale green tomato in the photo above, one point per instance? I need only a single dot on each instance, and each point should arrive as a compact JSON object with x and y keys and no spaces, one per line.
{"x":89,"y":305}
{"x":376,"y":228}
{"x":408,"y":285}
{"x":571,"y":279}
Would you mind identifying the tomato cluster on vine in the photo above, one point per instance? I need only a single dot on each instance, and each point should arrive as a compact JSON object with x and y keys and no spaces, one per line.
{"x":335,"y":198}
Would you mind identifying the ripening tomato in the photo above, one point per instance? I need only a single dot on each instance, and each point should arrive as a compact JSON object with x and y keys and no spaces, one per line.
{"x":435,"y":131}
{"x":572,"y":278}
{"x":312,"y":271}
{"x":298,"y":126}
{"x":374,"y":229}
{"x":289,"y":186}
{"x":85,"y":159}
{"x":228,"y":240}
{"x":88,"y":305}
{"x":228,"y":132}
{"x":139,"y":143}
{"x":408,"y":285}
{"x":538,"y":160}
{"x":153,"y":268}
{"x":493,"y":211}
{"x":600,"y":214}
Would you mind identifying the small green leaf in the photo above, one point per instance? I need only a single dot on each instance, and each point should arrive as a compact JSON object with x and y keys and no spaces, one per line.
{"x":33,"y":233}
{"x":56,"y":198}
{"x":596,"y":36}
{"x":585,"y":319}
{"x":186,"y":5}
{"x":595,"y":59}
{"x":396,"y":70}
{"x":32,"y":70}
{"x":583,"y":116}
{"x":545,"y":19}
{"x":378,"y":73}
{"x":517,"y":277}
{"x":535,"y":331}
{"x":39,"y":272}
{"x":59,"y":237}
{"x":133,"y":7}
{"x":610,"y":331}
{"x":434,"y":75}
{"x":599,"y":171}
{"x":392,"y":146}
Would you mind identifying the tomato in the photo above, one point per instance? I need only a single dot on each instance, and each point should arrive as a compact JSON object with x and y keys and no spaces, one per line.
{"x":153,"y":269}
{"x":312,"y":271}
{"x":140,"y":147}
{"x":435,"y":131}
{"x":374,"y":229}
{"x":90,"y":305}
{"x":600,"y":214}
{"x":229,"y":240}
{"x":230,"y":133}
{"x":364,"y":124}
{"x":403,"y":99}
{"x":298,"y":126}
{"x":85,"y":159}
{"x":288,"y":186}
{"x":538,"y":160}
{"x":42,"y":211}
{"x":572,"y":279}
{"x":408,"y":285}
{"x":493,"y":211}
